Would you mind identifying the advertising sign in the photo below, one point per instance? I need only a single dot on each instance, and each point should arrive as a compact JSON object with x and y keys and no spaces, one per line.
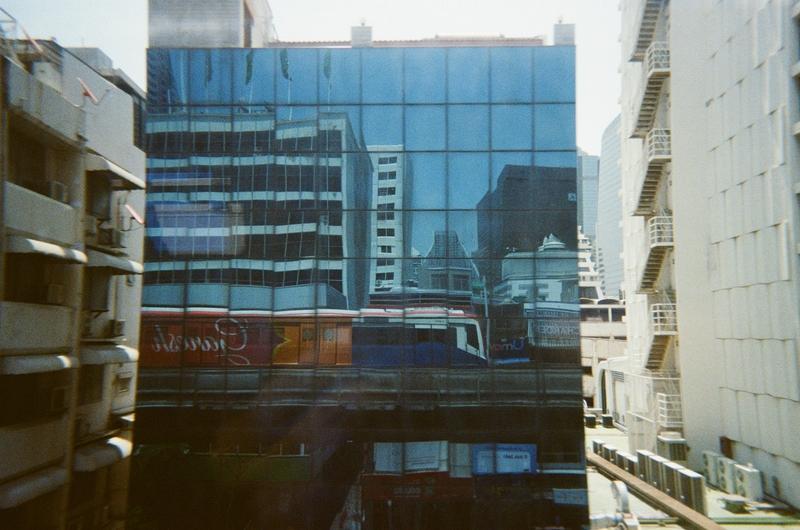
{"x":503,"y":459}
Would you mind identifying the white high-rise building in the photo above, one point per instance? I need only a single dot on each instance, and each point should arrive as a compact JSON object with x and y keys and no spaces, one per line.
{"x":609,"y":212}
{"x":709,"y":156}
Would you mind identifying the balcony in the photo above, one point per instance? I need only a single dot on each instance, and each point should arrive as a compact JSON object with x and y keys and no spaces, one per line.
{"x":670,"y":411}
{"x":34,"y":326}
{"x":44,"y":108}
{"x":645,"y":28}
{"x":664,"y":325}
{"x":659,"y":230}
{"x":656,"y":71}
{"x":40,"y":216}
{"x":657,"y":153}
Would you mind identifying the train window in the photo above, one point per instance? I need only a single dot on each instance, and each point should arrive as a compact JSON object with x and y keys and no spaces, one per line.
{"x":472,"y":336}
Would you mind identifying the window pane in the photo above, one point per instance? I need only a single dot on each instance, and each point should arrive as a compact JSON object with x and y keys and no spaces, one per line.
{"x":425,"y":128}
{"x":554,"y":126}
{"x":554,"y":77}
{"x":382,"y":75}
{"x":468,"y":179}
{"x":383,"y":124}
{"x":511,"y":127}
{"x":468,"y":127}
{"x":297,"y":76}
{"x":468,"y":75}
{"x":253,"y":76}
{"x":425,"y":75}
{"x":511,"y":78}
{"x":210,"y":75}
{"x":427,"y":182}
{"x":339,"y":77}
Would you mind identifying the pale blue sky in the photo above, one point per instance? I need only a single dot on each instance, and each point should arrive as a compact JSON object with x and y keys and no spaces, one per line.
{"x":119,"y":27}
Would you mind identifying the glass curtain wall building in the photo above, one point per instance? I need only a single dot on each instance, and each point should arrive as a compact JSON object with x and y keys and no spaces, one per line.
{"x":370,"y":234}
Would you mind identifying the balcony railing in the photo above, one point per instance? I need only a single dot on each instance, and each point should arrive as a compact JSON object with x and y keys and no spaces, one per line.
{"x":670,"y":411}
{"x":659,"y":231}
{"x":664,"y":318}
{"x":660,"y":239}
{"x":655,"y":71}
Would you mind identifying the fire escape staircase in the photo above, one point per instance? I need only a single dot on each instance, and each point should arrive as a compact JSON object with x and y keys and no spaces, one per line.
{"x":648,"y":19}
{"x":657,"y":154}
{"x":659,"y":229}
{"x":656,"y":71}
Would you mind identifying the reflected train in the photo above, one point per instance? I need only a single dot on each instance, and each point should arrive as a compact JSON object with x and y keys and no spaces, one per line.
{"x":424,"y":337}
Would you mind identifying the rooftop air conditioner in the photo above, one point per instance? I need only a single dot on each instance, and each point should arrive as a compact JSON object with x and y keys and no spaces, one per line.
{"x":597,"y":447}
{"x":726,"y":479}
{"x":692,"y":490}
{"x":642,"y":465}
{"x":748,"y":482}
{"x":710,"y":466}
{"x":655,"y":472}
{"x":672,"y":446}
{"x":671,"y":474}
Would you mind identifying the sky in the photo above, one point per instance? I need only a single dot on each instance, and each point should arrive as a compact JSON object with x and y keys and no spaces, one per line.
{"x":119,"y":28}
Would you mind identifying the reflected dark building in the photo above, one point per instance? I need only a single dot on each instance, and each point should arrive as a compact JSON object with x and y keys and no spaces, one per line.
{"x":528,"y":204}
{"x":349,"y":247}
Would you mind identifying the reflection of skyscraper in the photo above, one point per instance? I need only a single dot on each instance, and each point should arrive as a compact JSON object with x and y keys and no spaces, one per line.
{"x":528,"y":204}
{"x":390,"y":230}
{"x":447,"y":266}
{"x":264,"y":230}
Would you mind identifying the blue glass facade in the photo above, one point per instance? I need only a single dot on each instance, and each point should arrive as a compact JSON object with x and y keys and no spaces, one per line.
{"x":384,"y":208}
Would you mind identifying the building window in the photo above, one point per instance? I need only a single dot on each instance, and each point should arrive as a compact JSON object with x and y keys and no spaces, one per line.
{"x":383,"y":192}
{"x":385,"y":232}
{"x":384,"y":276}
{"x":385,"y":262}
{"x":387,"y":160}
{"x":386,"y":249}
{"x":439,"y":281}
{"x":386,"y":206}
{"x":385,"y":216}
{"x":387,"y":175}
{"x":460,"y":283}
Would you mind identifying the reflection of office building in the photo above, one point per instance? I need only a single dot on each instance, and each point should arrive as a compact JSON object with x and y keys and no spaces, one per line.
{"x":528,"y":204}
{"x":265,"y":230}
{"x":546,"y":275}
{"x":390,"y":231}
{"x":72,"y":192}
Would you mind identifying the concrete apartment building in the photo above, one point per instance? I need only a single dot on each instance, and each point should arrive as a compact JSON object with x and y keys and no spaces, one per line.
{"x":70,"y":255}
{"x":709,"y":164}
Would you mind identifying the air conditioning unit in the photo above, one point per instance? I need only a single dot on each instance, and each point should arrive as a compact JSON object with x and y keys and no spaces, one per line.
{"x":642,"y":464}
{"x":672,"y":446}
{"x":116,"y":328}
{"x":111,"y":237}
{"x":597,"y":447}
{"x":655,"y":472}
{"x":670,"y":471}
{"x":710,"y":466}
{"x":54,"y":294}
{"x":57,"y":401}
{"x":609,"y":453}
{"x":748,"y":482}
{"x":57,"y":190}
{"x":619,"y":459}
{"x":726,"y":478}
{"x":692,"y":490}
